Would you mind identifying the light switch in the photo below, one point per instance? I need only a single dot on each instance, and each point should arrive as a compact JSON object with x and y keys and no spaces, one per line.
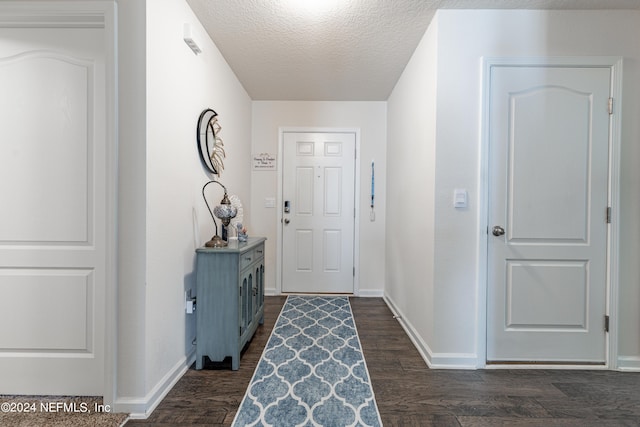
{"x":270,"y":202}
{"x":459,"y":198}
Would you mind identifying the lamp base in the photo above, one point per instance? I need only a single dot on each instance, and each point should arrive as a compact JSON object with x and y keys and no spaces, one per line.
{"x":216,"y":242}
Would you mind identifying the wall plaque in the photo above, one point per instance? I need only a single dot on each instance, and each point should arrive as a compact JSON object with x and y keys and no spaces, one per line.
{"x":264,"y":162}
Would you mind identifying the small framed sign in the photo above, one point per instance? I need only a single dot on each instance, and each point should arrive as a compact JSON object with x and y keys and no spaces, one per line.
{"x":264,"y":162}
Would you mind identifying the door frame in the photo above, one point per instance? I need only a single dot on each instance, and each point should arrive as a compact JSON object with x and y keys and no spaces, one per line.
{"x":612,"y":261}
{"x":279,"y":200}
{"x":89,"y":14}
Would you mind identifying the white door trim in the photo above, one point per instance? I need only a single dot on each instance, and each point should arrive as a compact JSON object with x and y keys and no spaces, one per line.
{"x":89,"y":14}
{"x":615,"y":63}
{"x":279,"y":201}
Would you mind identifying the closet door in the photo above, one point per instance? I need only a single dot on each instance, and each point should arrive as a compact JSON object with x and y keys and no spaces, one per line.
{"x":54,"y":216}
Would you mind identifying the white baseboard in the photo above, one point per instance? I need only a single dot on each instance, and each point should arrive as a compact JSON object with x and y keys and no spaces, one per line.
{"x":370,"y":293}
{"x":142,"y":407}
{"x":629,"y":363}
{"x":453,"y":361}
{"x":433,"y":360}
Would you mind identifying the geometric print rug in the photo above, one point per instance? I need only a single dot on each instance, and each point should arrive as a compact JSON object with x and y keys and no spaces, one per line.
{"x":312,"y":371}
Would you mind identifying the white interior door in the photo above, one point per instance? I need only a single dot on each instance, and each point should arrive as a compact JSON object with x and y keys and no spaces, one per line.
{"x":549,"y":145}
{"x":52,"y":221}
{"x":318,"y":212}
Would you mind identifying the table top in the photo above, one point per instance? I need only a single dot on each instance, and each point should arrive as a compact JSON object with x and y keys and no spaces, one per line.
{"x":234,"y":246}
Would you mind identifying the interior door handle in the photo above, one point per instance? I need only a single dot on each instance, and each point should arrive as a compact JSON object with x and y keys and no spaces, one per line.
{"x":287,"y":221}
{"x":497,"y":230}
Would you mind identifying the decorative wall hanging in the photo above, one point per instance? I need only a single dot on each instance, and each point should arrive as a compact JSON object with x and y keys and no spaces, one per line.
{"x":372,"y":215}
{"x":210,"y":145}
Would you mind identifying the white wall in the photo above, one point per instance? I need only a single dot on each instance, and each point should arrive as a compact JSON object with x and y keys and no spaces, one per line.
{"x":463,"y":38}
{"x":411,"y":175}
{"x":179,"y":85}
{"x":129,"y":375}
{"x":370,"y":118}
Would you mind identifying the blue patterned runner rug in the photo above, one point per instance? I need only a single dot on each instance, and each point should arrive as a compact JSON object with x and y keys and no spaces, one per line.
{"x":312,"y":371}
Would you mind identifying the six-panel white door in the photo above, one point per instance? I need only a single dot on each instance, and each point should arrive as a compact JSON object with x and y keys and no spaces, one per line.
{"x":549,"y":145}
{"x":318,"y":212}
{"x":52,"y":220}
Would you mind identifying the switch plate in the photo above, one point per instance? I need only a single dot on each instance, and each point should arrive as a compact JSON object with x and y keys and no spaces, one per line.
{"x":270,"y":202}
{"x":459,"y":198}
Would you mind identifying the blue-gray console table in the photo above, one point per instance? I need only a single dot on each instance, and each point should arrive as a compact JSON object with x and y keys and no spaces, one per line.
{"x":230,"y":299}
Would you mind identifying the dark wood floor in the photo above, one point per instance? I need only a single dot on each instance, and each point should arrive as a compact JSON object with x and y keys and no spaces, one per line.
{"x":410,"y":394}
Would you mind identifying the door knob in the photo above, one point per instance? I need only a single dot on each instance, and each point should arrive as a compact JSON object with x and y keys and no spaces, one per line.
{"x":287,"y":221}
{"x":497,"y":230}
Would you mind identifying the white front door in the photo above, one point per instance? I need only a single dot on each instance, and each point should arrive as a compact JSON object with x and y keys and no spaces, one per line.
{"x":547,"y":274}
{"x":318,"y":212}
{"x":53,"y":168}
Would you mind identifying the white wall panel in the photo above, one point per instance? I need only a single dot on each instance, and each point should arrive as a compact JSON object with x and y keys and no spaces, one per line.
{"x":304,"y":191}
{"x":535,"y":284}
{"x":304,"y":250}
{"x":332,"y":200}
{"x":63,"y":297}
{"x":47,"y":131}
{"x":332,"y":149}
{"x":331,"y":243}
{"x":305,"y":148}
{"x":552,"y":210}
{"x":411,"y":191}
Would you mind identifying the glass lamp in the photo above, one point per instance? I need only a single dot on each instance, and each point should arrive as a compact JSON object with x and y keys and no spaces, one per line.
{"x":225,"y":212}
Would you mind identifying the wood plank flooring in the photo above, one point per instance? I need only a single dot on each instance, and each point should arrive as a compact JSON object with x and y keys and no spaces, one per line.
{"x":410,"y":394}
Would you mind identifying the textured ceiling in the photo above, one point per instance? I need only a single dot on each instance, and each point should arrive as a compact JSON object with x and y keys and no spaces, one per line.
{"x":351,"y":50}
